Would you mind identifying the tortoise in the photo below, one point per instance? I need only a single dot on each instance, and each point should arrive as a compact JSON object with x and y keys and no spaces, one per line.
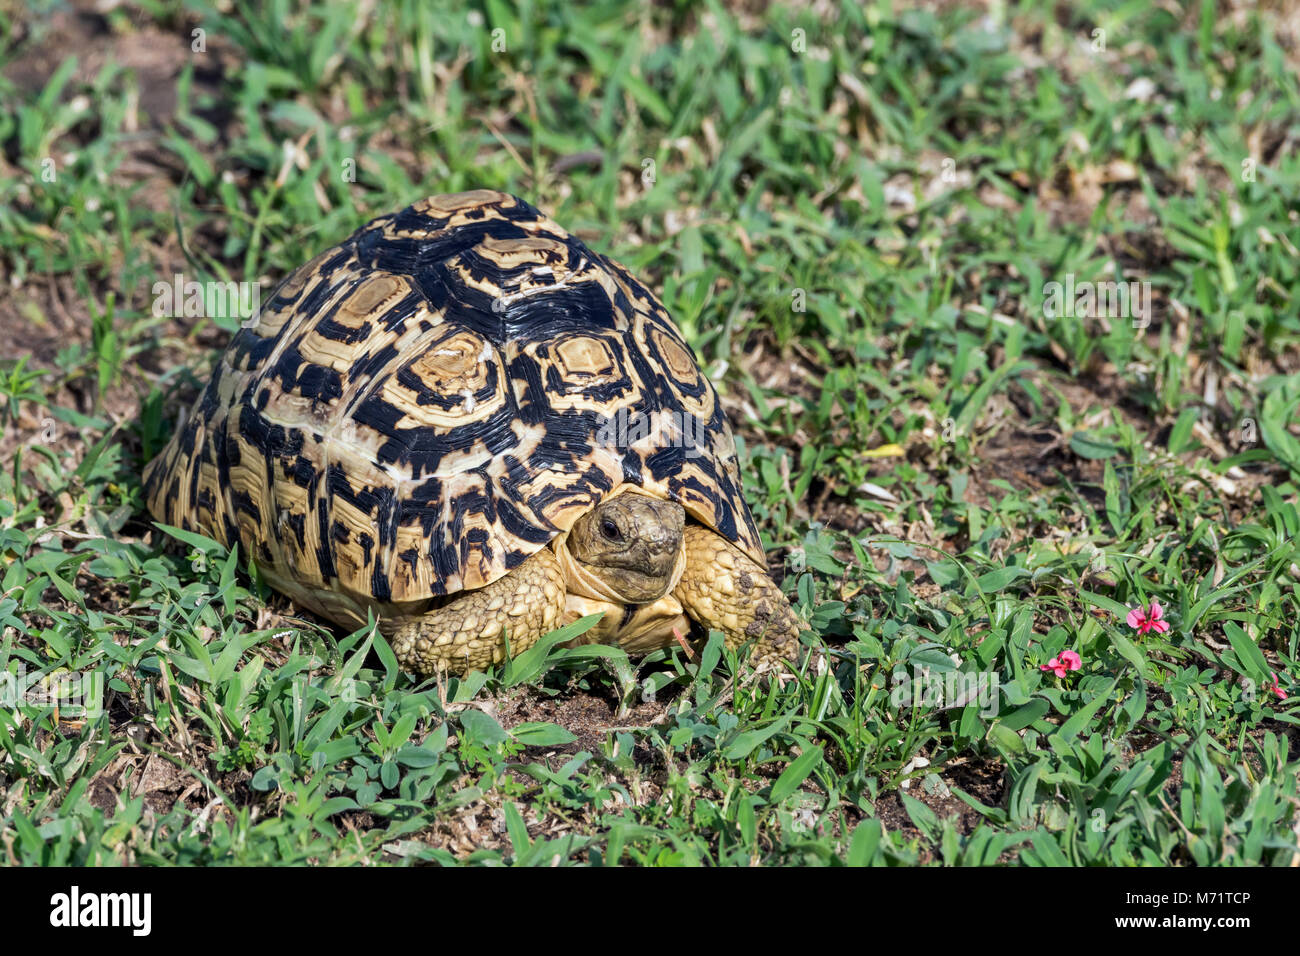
{"x":464,"y":420}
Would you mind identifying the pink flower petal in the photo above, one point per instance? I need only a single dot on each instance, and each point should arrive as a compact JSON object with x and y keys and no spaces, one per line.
{"x":1071,"y":660}
{"x":1135,"y":617}
{"x":1159,"y":626}
{"x":1157,"y":611}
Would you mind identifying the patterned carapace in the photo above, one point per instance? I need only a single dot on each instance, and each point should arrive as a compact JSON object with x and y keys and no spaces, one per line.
{"x":417,"y":410}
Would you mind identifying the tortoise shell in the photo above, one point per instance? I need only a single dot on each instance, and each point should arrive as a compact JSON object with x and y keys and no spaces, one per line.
{"x":417,"y":410}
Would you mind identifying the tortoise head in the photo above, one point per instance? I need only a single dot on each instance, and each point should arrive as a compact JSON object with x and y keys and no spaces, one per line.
{"x":632,"y":543}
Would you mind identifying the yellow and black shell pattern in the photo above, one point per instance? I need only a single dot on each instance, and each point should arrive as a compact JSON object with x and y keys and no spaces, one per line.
{"x":420,"y":408}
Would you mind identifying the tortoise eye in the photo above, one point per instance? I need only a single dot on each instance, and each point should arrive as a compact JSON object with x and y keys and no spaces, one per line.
{"x":609,"y":529}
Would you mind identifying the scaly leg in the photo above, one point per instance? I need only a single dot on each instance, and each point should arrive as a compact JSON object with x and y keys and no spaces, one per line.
{"x":469,"y":633}
{"x":724,"y":588}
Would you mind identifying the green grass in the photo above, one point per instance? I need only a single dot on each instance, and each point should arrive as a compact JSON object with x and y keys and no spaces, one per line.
{"x":854,"y":225}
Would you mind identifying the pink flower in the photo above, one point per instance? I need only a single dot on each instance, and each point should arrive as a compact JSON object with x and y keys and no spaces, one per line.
{"x":1149,"y":620}
{"x":1062,"y":662}
{"x":1282,"y":695}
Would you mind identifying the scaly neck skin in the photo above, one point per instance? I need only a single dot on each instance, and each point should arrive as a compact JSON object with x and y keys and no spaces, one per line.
{"x":637,"y":628}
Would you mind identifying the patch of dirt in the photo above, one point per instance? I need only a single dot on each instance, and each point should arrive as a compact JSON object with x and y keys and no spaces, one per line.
{"x":983,"y":779}
{"x":46,"y":314}
{"x":158,"y":781}
{"x":150,"y":63}
{"x":589,"y":715}
{"x":841,"y":514}
{"x":155,"y":58}
{"x":1027,"y":458}
{"x":42,"y":317}
{"x":102,"y":796}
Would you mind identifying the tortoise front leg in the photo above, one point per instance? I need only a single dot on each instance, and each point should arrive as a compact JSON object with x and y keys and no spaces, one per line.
{"x":723,"y":588}
{"x":469,"y":633}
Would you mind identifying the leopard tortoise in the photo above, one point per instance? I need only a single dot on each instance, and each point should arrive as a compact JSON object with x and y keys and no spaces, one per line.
{"x":465,"y":420}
